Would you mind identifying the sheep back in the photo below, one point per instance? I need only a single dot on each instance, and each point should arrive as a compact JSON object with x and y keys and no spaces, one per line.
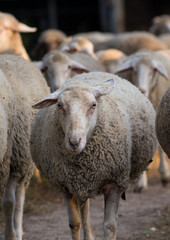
{"x":118,"y":151}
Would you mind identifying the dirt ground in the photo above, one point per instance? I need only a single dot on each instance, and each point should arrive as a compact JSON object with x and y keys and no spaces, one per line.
{"x":142,"y":216}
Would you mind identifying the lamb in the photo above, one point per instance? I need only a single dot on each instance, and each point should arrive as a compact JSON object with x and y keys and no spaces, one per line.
{"x":163,"y":123}
{"x":48,"y":40}
{"x":10,"y":37}
{"x":150,"y":72}
{"x":110,"y":59}
{"x":96,"y":138}
{"x":160,"y":25}
{"x":21,"y":83}
{"x":58,"y":66}
{"x":78,"y":44}
{"x":130,"y":42}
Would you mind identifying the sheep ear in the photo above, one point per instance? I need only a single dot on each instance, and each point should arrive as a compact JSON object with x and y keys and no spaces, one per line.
{"x":161,"y":69}
{"x":78,"y":67}
{"x":21,"y":27}
{"x":47,"y":101}
{"x":103,"y":88}
{"x":125,"y":66}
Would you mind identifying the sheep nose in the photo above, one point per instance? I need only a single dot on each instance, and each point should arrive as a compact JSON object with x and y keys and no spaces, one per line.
{"x":74,"y":143}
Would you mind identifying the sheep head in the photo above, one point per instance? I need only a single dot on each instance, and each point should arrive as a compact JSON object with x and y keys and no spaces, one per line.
{"x":145,"y":71}
{"x":77,"y":110}
{"x":57,"y":67}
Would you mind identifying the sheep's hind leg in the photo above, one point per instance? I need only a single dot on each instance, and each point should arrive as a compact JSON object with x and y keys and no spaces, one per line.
{"x":112,"y":195}
{"x":73,"y":215}
{"x":8,"y":206}
{"x":85,"y":216}
{"x":20,"y":197}
{"x":163,"y":167}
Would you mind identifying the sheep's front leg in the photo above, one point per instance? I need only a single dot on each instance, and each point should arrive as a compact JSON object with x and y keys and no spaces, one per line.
{"x":73,"y":215}
{"x":142,"y":183}
{"x":112,"y":196}
{"x":163,"y":167}
{"x":8,"y":206}
{"x":85,"y":216}
{"x":20,"y":197}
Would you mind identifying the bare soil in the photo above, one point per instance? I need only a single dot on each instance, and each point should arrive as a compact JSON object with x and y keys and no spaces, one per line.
{"x":142,"y":216}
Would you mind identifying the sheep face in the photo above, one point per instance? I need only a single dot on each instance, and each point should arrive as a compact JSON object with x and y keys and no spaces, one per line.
{"x":77,"y":108}
{"x":58,"y":67}
{"x":145,"y":72}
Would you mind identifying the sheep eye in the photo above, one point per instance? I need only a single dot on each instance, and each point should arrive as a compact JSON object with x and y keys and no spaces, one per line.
{"x":94,"y":105}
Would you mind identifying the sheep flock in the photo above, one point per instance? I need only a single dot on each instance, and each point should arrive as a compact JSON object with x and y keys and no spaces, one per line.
{"x":89,"y":113}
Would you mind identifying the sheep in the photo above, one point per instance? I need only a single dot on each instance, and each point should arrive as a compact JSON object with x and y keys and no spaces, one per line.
{"x":78,"y":44}
{"x":10,"y":37}
{"x":130,"y":42}
{"x":96,"y":138}
{"x":21,"y":84}
{"x":150,"y":72}
{"x":163,"y":123}
{"x":110,"y":59}
{"x":58,"y":66}
{"x":160,"y":25}
{"x":48,"y":40}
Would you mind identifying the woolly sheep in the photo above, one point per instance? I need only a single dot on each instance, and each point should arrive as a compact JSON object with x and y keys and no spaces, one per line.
{"x":163,"y":123}
{"x":160,"y":25}
{"x":110,"y":59}
{"x":78,"y":44}
{"x":10,"y":37}
{"x":130,"y":42}
{"x":58,"y":66}
{"x":96,"y":139}
{"x":150,"y":72}
{"x":21,"y":85}
{"x":48,"y":40}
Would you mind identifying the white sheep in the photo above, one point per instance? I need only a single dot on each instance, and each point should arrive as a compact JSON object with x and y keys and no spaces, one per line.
{"x":10,"y":37}
{"x":96,"y":139}
{"x":150,"y":72}
{"x":58,"y":66}
{"x":130,"y":42}
{"x":110,"y":59}
{"x":21,"y":84}
{"x":48,"y":40}
{"x":163,"y":123}
{"x":78,"y":44}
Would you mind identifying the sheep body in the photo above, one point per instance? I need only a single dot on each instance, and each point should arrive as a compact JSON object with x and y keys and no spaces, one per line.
{"x":7,"y":120}
{"x":24,"y":85}
{"x":163,"y":123}
{"x":130,"y":42}
{"x":118,"y":151}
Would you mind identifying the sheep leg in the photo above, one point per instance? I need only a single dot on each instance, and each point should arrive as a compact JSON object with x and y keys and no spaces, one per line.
{"x":142,"y":183}
{"x":20,"y":198}
{"x":8,"y":206}
{"x":163,"y":167}
{"x":73,"y":215}
{"x":112,"y":195}
{"x":85,"y":217}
